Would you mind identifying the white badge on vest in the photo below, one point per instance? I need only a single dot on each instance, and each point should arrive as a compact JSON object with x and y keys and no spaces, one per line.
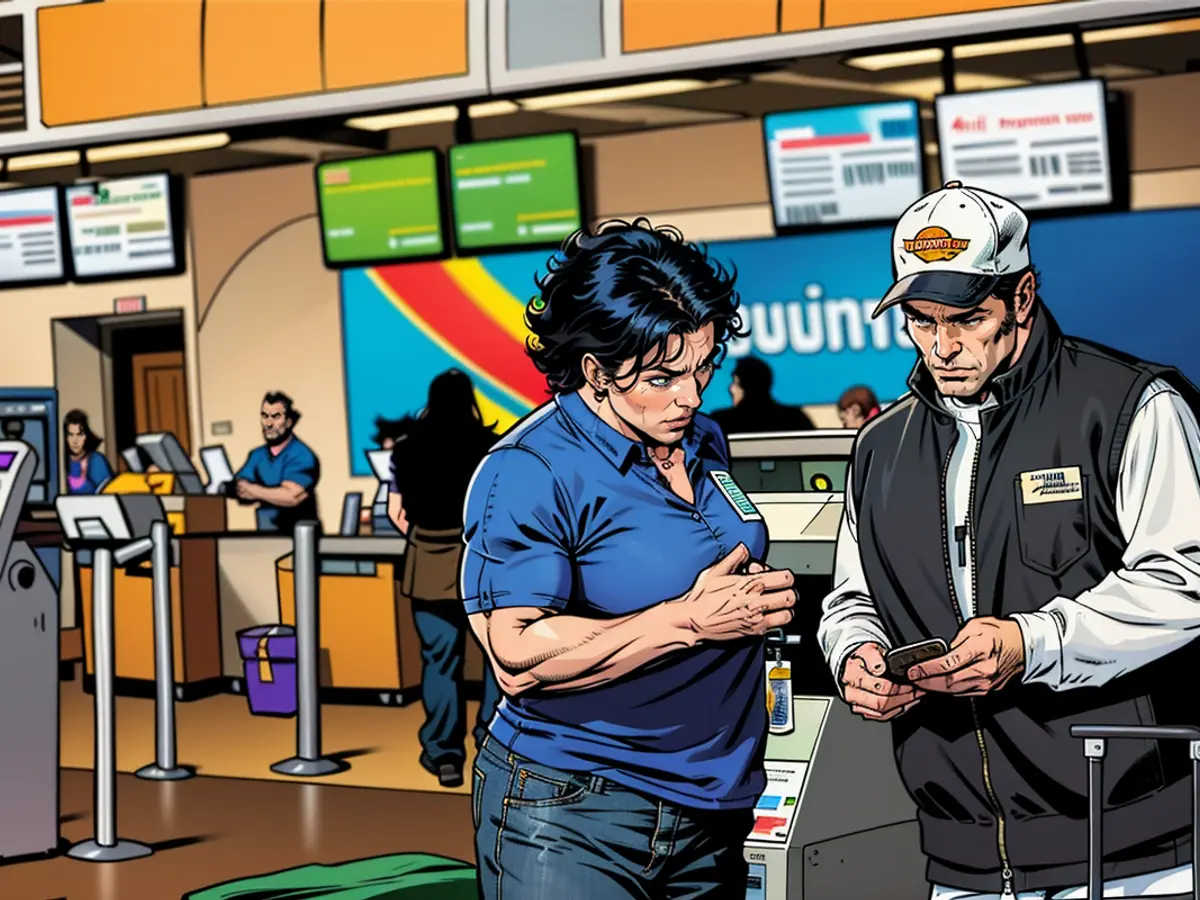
{"x":737,"y":498}
{"x":1051,"y":485}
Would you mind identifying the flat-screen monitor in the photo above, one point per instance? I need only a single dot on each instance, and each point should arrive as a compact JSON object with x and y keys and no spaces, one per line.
{"x":845,"y":165}
{"x":1045,"y":146}
{"x":32,"y":250}
{"x":125,"y":227}
{"x":382,"y":209}
{"x":165,"y":452}
{"x":521,"y":193}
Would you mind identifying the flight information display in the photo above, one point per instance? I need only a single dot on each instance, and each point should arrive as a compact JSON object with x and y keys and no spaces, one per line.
{"x":844,"y":165}
{"x":30,"y":236}
{"x":1043,"y":147}
{"x":122,"y":227}
{"x":381,"y":209}
{"x":522,"y":192}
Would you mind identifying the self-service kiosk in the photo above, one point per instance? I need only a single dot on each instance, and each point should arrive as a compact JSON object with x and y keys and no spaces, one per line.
{"x":835,"y":821}
{"x":28,"y":674}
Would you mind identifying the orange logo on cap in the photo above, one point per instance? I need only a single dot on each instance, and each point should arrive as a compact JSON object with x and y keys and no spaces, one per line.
{"x":934,"y":244}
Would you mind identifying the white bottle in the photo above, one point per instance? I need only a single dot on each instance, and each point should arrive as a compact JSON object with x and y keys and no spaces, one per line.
{"x":779,"y":694}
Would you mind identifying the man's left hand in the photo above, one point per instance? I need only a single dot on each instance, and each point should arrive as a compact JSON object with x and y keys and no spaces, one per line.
{"x":246,"y":490}
{"x":984,"y":657}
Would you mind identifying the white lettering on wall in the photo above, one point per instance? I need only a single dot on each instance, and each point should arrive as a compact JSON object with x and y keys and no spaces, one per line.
{"x":818,"y":324}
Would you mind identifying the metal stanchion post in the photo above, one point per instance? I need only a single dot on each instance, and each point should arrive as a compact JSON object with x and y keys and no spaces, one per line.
{"x":307,"y":762}
{"x":164,"y":767}
{"x":1093,"y":749}
{"x":105,"y":847}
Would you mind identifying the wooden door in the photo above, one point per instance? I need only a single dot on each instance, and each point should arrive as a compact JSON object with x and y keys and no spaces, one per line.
{"x":160,"y":396}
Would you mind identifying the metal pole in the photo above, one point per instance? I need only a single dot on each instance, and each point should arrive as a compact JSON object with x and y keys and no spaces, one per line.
{"x":105,"y":847}
{"x":1093,"y":749}
{"x":164,"y":767}
{"x":1195,"y":748}
{"x":307,"y":762}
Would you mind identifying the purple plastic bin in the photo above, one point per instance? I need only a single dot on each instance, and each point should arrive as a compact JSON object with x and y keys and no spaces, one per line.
{"x":269,"y":658}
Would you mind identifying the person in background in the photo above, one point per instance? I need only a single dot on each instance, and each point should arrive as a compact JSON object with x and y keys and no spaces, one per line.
{"x":13,"y":429}
{"x":280,"y":476}
{"x":754,"y":410}
{"x":857,"y":407}
{"x":87,"y":469}
{"x":387,"y":432}
{"x":433,"y":458}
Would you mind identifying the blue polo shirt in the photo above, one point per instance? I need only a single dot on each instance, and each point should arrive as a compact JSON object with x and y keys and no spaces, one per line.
{"x":567,"y":514}
{"x":295,"y":463}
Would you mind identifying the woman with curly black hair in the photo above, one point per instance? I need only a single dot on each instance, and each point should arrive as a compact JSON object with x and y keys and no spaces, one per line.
{"x":611,"y":575}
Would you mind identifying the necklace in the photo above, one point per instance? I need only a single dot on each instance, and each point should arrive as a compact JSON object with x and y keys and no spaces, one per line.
{"x":664,"y":461}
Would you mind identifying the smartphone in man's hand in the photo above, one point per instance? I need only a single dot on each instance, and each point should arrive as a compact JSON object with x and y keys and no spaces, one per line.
{"x":900,"y":660}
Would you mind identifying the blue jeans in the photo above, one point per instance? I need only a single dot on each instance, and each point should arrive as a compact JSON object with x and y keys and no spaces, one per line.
{"x":442,"y":628}
{"x":541,"y":832}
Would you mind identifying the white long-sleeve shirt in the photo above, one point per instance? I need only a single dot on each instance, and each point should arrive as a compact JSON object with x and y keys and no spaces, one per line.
{"x":1145,"y":610}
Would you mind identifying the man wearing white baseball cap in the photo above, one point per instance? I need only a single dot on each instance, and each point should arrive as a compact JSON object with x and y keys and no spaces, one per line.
{"x":1034,"y":503}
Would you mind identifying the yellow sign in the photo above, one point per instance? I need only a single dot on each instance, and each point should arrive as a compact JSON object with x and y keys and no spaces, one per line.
{"x":935,"y":244}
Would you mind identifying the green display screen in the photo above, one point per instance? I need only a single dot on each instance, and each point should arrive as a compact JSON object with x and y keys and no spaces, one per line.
{"x":513,"y":193}
{"x":381,"y":208}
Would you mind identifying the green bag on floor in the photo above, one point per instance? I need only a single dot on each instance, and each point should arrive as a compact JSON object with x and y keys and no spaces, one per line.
{"x":406,"y":876}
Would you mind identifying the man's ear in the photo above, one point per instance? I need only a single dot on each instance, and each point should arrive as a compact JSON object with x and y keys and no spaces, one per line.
{"x":1025,"y":296}
{"x":597,"y":376}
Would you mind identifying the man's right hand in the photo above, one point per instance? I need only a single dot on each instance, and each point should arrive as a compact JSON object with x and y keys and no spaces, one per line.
{"x":724,"y":605}
{"x":868,"y":690}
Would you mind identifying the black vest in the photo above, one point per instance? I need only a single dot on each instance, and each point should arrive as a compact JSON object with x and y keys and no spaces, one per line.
{"x":1066,"y":403}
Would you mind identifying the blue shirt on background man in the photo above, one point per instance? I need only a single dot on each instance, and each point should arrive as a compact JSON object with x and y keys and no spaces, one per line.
{"x":294,"y":462}
{"x":567,"y":514}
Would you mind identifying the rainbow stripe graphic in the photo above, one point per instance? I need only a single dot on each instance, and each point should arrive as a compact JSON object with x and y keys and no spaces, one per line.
{"x":404,"y":324}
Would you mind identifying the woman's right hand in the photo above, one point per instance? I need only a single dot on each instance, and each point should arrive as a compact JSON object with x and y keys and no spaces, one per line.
{"x":730,"y":600}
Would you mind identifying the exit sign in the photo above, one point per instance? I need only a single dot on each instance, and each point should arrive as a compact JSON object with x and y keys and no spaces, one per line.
{"x":129,"y":305}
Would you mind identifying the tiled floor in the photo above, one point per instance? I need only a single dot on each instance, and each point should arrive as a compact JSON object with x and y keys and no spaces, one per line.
{"x":238,"y":818}
{"x":209,"y":830}
{"x":220,"y":737}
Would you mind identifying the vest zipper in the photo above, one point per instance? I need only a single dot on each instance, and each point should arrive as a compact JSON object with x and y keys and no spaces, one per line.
{"x":1001,"y":844}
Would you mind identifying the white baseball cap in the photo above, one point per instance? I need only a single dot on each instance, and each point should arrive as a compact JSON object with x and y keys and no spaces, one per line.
{"x":954,"y":245}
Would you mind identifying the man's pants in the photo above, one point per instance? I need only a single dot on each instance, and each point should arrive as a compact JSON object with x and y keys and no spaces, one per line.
{"x":544,"y":834}
{"x":1172,"y":884}
{"x":442,"y":627}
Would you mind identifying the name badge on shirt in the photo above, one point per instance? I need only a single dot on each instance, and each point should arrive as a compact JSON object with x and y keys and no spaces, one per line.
{"x":1051,"y":485}
{"x":737,"y":498}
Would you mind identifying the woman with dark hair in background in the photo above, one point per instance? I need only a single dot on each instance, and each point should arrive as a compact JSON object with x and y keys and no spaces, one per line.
{"x":611,"y":573}
{"x":433,"y":458}
{"x":87,"y":469}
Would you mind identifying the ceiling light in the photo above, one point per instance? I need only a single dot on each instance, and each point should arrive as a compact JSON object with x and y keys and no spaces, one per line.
{"x":625,"y":92}
{"x":191,"y":144}
{"x":496,"y":108}
{"x":932,"y":149}
{"x":44,"y":161}
{"x":932,"y":55}
{"x":643,"y":114}
{"x":917,"y":88}
{"x":879,"y":61}
{"x":433,"y":116}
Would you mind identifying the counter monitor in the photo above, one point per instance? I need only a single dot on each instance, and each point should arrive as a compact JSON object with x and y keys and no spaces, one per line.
{"x":125,"y":227}
{"x":845,"y":165}
{"x":381,"y":209}
{"x":31,"y":238}
{"x":1044,"y":146}
{"x":518,"y":193}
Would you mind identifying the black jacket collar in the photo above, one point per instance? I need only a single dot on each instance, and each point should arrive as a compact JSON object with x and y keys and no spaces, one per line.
{"x":1045,"y":342}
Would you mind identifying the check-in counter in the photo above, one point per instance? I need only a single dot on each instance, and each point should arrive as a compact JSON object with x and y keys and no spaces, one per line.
{"x":196,"y":620}
{"x":369,"y":649}
{"x":798,"y":481}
